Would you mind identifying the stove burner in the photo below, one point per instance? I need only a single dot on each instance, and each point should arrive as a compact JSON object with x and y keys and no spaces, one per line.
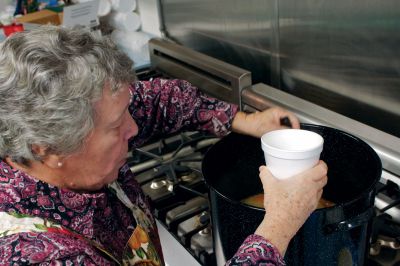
{"x":188,"y":177}
{"x":384,"y":242}
{"x":175,"y":172}
{"x":205,"y":232}
{"x":191,"y":226}
{"x":158,"y":183}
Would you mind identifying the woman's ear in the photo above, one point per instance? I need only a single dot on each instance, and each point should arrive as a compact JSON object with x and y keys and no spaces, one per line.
{"x":53,"y":161}
{"x":50,"y":160}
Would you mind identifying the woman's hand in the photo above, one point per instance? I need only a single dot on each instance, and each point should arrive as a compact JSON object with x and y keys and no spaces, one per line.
{"x":289,"y":202}
{"x":258,"y":123}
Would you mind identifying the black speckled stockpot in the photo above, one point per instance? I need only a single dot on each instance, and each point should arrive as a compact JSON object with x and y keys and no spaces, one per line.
{"x":337,"y":235}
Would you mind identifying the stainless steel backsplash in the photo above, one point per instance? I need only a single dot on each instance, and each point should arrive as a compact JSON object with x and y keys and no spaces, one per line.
{"x":343,"y":55}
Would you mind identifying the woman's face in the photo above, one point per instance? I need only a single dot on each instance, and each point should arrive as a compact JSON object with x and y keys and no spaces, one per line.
{"x":106,"y":147}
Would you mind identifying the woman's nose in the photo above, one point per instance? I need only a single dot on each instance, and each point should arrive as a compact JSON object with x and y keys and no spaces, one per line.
{"x":132,"y":128}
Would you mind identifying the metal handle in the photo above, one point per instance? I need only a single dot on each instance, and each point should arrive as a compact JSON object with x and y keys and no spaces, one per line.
{"x":350,"y":223}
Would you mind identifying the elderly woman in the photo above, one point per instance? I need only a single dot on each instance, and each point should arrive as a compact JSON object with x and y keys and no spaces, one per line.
{"x":69,"y":107}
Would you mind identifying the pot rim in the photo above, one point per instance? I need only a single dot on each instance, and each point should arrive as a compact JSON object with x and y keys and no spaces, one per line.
{"x":369,"y":189}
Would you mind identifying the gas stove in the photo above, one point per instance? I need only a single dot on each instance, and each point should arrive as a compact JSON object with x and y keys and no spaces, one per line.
{"x":169,"y":169}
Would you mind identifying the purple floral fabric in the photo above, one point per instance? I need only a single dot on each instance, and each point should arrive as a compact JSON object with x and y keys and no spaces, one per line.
{"x":47,"y":249}
{"x":98,"y":216}
{"x":158,"y":107}
{"x":164,"y":106}
{"x":256,"y":250}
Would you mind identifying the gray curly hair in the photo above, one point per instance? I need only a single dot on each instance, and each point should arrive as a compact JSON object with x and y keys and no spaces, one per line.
{"x":49,"y":79}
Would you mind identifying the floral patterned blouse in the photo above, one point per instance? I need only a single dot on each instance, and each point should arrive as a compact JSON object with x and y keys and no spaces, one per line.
{"x":68,"y":225}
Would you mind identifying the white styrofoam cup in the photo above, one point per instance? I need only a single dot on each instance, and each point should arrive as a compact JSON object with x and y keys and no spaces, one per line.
{"x":125,"y":21}
{"x":289,"y":152}
{"x":123,"y":5}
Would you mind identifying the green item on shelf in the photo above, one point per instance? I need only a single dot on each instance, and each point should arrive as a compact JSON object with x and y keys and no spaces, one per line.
{"x":30,"y":6}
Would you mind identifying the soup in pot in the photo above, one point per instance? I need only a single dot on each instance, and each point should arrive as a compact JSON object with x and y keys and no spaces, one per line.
{"x":258,"y":201}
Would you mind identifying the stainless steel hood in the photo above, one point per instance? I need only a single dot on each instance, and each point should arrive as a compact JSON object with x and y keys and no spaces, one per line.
{"x":342,"y":55}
